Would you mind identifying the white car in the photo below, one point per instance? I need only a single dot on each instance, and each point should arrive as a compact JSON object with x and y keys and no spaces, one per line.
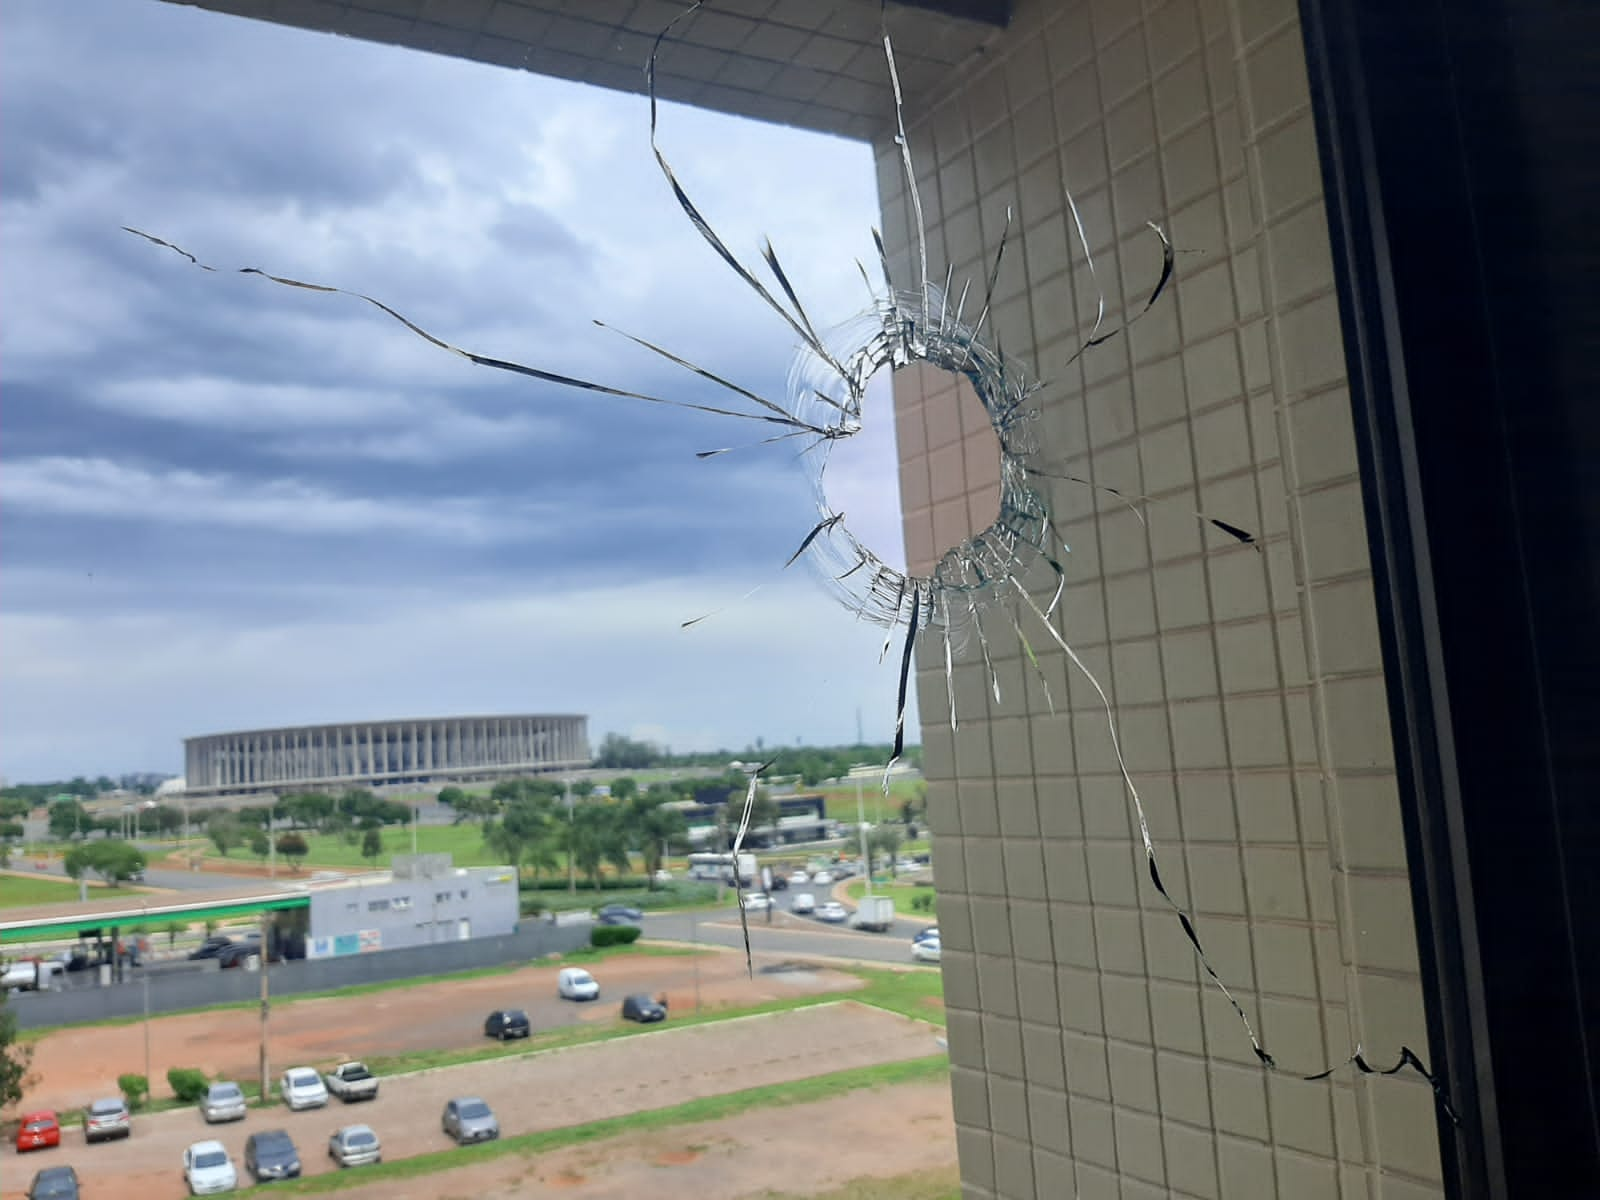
{"x":822,"y":877}
{"x":803,"y":902}
{"x":207,"y":1169}
{"x":301,"y":1087}
{"x":663,"y":876}
{"x":799,"y":879}
{"x":756,"y":901}
{"x":925,"y":949}
{"x":574,"y":983}
{"x":832,"y":911}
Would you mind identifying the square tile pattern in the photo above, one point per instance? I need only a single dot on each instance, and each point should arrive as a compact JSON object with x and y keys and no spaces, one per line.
{"x":1247,"y":682}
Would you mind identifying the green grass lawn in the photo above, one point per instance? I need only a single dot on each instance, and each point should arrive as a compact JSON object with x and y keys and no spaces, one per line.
{"x":464,"y":843}
{"x":18,"y":891}
{"x":839,"y":800}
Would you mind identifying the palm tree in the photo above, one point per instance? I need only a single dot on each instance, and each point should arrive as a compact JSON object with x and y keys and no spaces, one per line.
{"x":654,"y":827}
{"x":596,"y":836}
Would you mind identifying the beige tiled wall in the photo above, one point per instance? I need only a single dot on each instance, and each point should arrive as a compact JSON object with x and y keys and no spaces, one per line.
{"x":1088,"y":1057}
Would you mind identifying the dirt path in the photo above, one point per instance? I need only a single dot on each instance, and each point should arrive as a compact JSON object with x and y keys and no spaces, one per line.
{"x":738,"y":1158}
{"x":74,"y":1066}
{"x":543,"y":1090}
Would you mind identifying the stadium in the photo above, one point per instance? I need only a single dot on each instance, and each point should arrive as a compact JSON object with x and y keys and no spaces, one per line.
{"x":377,"y":753}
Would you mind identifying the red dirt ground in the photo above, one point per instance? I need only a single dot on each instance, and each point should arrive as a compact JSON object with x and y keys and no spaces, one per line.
{"x":576,"y":1085}
{"x":74,"y":1066}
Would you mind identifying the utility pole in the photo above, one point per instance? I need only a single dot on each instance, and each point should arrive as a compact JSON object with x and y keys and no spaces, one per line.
{"x":415,"y":810}
{"x":266,"y":1004}
{"x":272,"y":851}
{"x":144,"y":976}
{"x":694,"y":936}
{"x":572,"y":859}
{"x":861,"y":827}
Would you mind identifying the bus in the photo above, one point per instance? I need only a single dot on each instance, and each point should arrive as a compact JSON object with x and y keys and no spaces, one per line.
{"x":720,"y":866}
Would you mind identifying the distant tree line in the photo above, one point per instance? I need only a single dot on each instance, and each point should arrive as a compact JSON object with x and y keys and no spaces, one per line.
{"x":527,"y":823}
{"x":70,"y":819}
{"x":810,"y":764}
{"x":356,"y":815}
{"x":33,"y":795}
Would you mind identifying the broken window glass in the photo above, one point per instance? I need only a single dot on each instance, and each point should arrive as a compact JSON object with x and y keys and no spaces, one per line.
{"x":977,"y":589}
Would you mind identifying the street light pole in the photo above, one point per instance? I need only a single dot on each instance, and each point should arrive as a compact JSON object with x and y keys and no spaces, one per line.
{"x":266,"y":1004}
{"x":572,"y":860}
{"x":861,"y":826}
{"x":144,"y":977}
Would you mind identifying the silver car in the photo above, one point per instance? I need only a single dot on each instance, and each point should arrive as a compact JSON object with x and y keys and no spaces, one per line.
{"x":222,"y":1102}
{"x":468,"y":1119}
{"x":355,"y":1146}
{"x":107,"y":1119}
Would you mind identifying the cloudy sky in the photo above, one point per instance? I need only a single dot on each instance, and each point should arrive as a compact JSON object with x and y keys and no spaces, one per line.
{"x":226,"y":504}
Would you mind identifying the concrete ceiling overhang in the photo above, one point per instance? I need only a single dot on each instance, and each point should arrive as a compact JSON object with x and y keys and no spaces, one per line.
{"x":817,"y":64}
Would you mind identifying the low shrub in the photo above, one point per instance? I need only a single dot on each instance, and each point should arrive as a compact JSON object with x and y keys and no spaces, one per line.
{"x":135,"y":1090}
{"x":613,"y":935}
{"x":187,"y":1084}
{"x":922,"y":902}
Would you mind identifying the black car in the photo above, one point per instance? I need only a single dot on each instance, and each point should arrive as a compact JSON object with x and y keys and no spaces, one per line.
{"x":211,"y":947}
{"x":54,"y":1183}
{"x":640,"y":1007}
{"x":619,"y":914}
{"x":507,"y":1023}
{"x":271,"y":1155}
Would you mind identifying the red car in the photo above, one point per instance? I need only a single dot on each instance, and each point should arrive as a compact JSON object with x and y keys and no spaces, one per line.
{"x":38,"y":1130}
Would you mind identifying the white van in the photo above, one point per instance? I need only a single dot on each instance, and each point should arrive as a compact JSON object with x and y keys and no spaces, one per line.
{"x":805,"y":902}
{"x":574,"y":983}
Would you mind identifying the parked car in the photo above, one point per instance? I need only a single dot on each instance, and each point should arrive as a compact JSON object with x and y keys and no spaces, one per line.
{"x":355,"y":1146}
{"x":350,"y":1082}
{"x":210,"y":948}
{"x":574,"y":983}
{"x":642,"y":1008}
{"x":926,"y":949}
{"x":107,"y":1119}
{"x":238,"y":955}
{"x":54,"y":1183}
{"x":507,"y":1023}
{"x":222,"y":1102}
{"x":207,"y":1169}
{"x":755,"y":901}
{"x":36,"y":1130}
{"x":271,"y":1155}
{"x":804,"y":902}
{"x":832,"y":912}
{"x":619,"y":914}
{"x":468,"y":1119}
{"x":301,"y":1087}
